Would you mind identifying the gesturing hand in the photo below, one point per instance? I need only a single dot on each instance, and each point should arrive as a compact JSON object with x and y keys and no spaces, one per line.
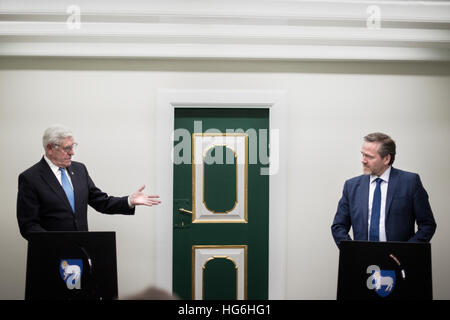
{"x":141,"y":199}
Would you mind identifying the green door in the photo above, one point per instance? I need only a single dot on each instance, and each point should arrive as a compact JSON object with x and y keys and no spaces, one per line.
{"x":221,"y":204}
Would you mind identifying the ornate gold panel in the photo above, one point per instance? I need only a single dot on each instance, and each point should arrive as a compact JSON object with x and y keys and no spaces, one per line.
{"x":201,"y":143}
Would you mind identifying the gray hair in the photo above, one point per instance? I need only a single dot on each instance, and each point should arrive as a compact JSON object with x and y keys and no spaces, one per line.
{"x":55,"y":134}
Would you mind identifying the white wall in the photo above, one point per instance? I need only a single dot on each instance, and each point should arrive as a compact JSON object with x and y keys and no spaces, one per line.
{"x":111,"y":106}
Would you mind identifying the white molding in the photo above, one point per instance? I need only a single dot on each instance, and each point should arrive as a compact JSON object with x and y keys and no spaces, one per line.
{"x":237,"y":254}
{"x":246,"y":29}
{"x":167,"y":100}
{"x":237,"y":143}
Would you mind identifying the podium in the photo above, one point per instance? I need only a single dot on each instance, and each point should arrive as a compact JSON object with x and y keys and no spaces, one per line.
{"x":71,"y":266}
{"x":384,"y":271}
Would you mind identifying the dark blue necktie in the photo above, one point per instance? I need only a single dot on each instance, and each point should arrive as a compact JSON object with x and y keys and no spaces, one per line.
{"x":67,"y":188}
{"x":374,"y":232}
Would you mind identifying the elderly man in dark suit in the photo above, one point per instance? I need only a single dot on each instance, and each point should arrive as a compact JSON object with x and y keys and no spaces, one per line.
{"x":385,"y":203}
{"x":53,"y":194}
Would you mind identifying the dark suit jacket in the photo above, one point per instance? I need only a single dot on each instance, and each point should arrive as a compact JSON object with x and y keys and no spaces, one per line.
{"x":406,"y":204}
{"x":42,"y":204}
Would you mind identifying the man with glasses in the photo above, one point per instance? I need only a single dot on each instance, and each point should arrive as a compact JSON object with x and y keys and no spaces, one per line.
{"x":53,"y":194}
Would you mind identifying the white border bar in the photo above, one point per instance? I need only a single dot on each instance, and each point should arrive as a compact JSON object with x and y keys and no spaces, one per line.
{"x":219,"y":29}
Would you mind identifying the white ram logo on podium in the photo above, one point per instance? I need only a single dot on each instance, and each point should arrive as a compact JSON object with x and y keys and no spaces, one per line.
{"x":382,"y":281}
{"x":70,"y":271}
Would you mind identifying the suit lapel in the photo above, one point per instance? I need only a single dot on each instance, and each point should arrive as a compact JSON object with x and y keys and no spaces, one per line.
{"x":49,"y":177}
{"x":392,"y":189}
{"x":364,"y":198}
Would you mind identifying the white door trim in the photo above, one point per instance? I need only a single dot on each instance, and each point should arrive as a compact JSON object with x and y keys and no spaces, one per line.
{"x":275,"y":100}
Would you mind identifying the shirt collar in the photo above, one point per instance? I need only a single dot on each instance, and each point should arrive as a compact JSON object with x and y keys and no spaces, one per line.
{"x":384,"y":176}
{"x":52,"y":166}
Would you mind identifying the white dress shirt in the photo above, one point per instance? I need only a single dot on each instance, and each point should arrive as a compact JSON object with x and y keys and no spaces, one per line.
{"x":384,"y":187}
{"x":55,"y":170}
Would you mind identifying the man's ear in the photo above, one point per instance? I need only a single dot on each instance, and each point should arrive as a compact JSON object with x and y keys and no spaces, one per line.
{"x":387,"y":159}
{"x":49,"y":148}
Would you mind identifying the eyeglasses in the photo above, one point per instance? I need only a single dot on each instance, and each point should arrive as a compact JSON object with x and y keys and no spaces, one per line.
{"x":67,"y":149}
